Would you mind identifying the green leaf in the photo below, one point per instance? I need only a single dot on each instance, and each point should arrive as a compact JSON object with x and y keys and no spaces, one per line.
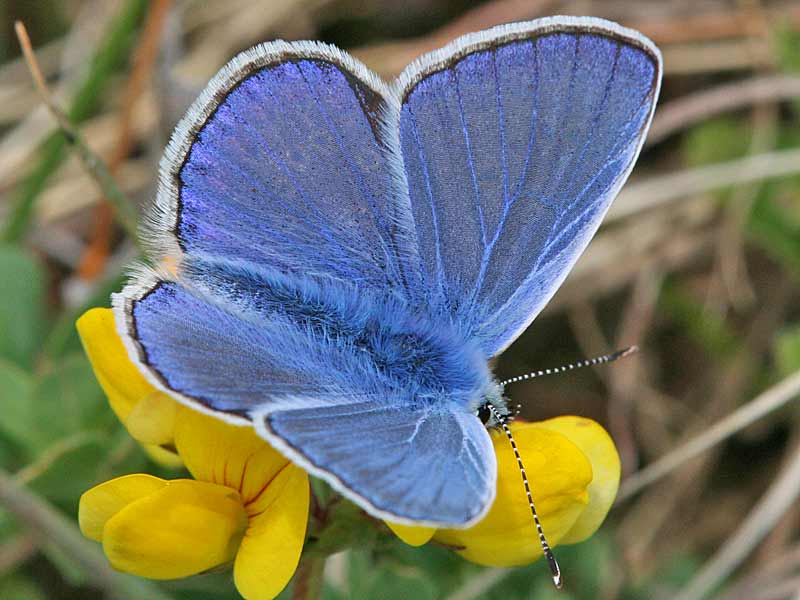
{"x":787,"y":46}
{"x":111,"y":55}
{"x":68,"y":399}
{"x":787,"y":350}
{"x":717,"y":140}
{"x":61,"y":403}
{"x":21,"y":305}
{"x":707,"y":329}
{"x":347,"y":528}
{"x":775,"y":225}
{"x":590,"y":564}
{"x":20,"y":588}
{"x":16,"y":393}
{"x":442,"y":566}
{"x":368,"y":579}
{"x":213,"y":585}
{"x":66,"y":477}
{"x":63,"y":336}
{"x":69,"y":569}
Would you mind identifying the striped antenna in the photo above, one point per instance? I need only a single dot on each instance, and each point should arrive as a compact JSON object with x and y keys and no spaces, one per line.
{"x":555,"y":570}
{"x":589,"y":362}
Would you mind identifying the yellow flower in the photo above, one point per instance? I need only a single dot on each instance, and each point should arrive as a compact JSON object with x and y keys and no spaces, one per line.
{"x":247,"y":504}
{"x":147,"y":413}
{"x":573,"y":469}
{"x":572,"y":466}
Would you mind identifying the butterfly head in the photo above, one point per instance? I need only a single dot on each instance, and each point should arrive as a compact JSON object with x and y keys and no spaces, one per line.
{"x":492,"y":403}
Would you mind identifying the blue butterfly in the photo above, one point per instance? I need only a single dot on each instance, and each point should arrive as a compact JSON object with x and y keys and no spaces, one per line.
{"x":347,"y":256}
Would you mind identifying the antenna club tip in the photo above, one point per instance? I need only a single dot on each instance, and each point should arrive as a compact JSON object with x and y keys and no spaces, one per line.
{"x":555,"y":570}
{"x":629,"y":350}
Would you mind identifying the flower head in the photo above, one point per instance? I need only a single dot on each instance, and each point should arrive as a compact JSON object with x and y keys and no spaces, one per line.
{"x":147,"y":413}
{"x":573,"y":469}
{"x":247,"y":505}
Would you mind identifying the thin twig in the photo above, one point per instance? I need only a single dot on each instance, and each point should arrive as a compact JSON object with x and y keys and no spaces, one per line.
{"x":17,"y":550}
{"x":477,"y":586}
{"x":389,"y":58}
{"x":105,"y":60}
{"x":721,"y":24}
{"x":46,"y":459}
{"x":728,"y":37}
{"x":765,"y":403}
{"x":647,"y":523}
{"x":308,"y":578}
{"x":782,"y":565}
{"x":684,"y":112}
{"x":52,"y":527}
{"x":780,"y":496}
{"x":123,"y":206}
{"x":146,"y":53}
{"x":656,"y":191}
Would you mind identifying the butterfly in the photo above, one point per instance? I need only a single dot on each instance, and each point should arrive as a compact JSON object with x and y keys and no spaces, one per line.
{"x":338,"y":258}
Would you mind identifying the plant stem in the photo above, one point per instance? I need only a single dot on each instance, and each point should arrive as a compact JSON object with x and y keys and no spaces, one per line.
{"x":50,"y":526}
{"x":109,"y":57}
{"x":309,"y":578}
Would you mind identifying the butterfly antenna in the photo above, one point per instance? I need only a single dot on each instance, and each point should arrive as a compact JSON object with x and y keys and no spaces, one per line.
{"x":589,"y":362}
{"x":555,"y":570}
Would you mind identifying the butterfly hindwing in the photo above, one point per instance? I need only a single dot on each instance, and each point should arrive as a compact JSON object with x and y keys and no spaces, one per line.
{"x":515,"y":141}
{"x":417,"y":465}
{"x":326,"y":376}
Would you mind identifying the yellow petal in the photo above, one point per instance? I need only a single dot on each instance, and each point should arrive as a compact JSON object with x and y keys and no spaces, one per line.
{"x":411,"y":535}
{"x":598,"y":447}
{"x":163,"y":456}
{"x":271,"y":548}
{"x":225,"y":454}
{"x":118,"y":376}
{"x":182,"y":529}
{"x":104,"y":501}
{"x":147,"y":413}
{"x":152,"y":419}
{"x":559,"y":475}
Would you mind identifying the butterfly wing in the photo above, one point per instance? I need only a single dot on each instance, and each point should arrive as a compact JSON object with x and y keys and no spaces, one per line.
{"x":515,"y":141}
{"x":276,"y":222}
{"x":283,"y":184}
{"x":231,"y":342}
{"x":280,"y":163}
{"x":411,"y":465}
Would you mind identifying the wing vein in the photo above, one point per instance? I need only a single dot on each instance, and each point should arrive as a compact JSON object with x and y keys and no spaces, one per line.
{"x":598,"y":112}
{"x":532,"y":137}
{"x":502,"y":127}
{"x":609,"y":162}
{"x":488,"y":250}
{"x":431,"y":202}
{"x":355,"y":172}
{"x":470,"y":158}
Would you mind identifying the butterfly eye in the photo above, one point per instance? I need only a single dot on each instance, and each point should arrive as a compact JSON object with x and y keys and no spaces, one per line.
{"x":484,"y":413}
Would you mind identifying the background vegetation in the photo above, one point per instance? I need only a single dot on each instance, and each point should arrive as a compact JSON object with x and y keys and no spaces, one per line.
{"x":698,"y":263}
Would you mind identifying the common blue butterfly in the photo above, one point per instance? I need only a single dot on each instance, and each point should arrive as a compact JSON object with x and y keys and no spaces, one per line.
{"x":339,"y":258}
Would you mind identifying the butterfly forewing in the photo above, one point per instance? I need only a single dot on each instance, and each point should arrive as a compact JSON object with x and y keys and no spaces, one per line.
{"x":280,"y":164}
{"x":514,"y":145}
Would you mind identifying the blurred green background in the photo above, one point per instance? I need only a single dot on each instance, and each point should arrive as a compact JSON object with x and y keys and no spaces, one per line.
{"x":698,"y":263}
